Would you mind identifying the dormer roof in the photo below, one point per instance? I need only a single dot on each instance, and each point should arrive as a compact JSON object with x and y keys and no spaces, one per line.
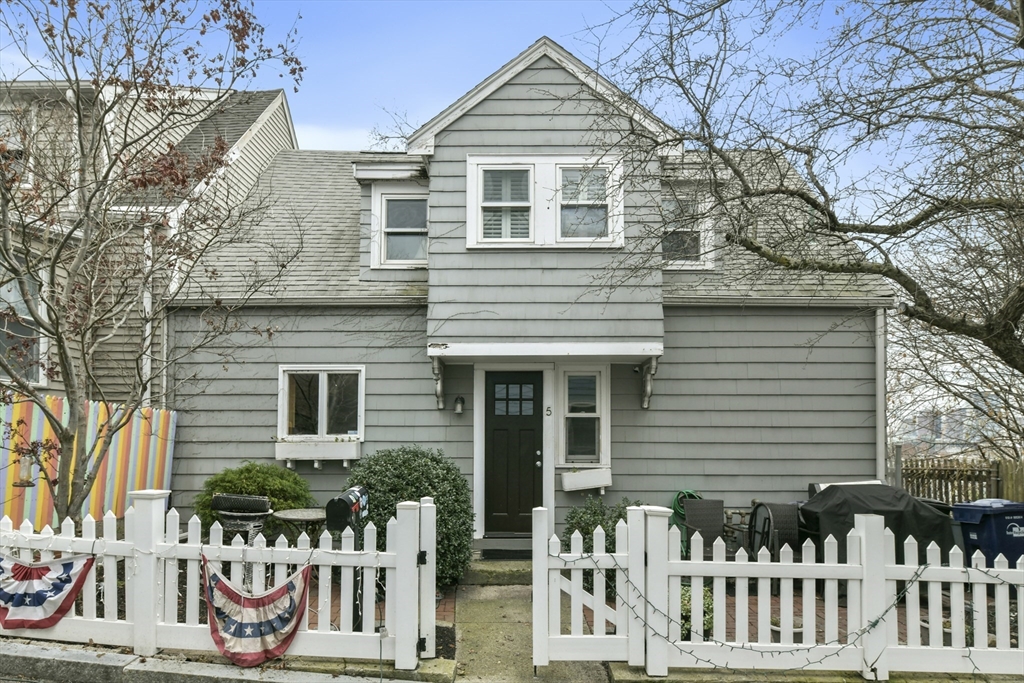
{"x":422,"y":141}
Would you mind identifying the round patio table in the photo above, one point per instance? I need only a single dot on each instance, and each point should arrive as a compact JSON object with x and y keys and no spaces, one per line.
{"x":308,"y":520}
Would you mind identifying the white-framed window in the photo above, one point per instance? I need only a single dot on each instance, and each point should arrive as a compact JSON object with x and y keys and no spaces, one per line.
{"x":321,"y":403}
{"x":542,"y":201}
{"x":582,"y":203}
{"x":686,"y":242}
{"x":20,"y":341}
{"x":399,"y":218}
{"x":585,"y":407}
{"x":13,"y":158}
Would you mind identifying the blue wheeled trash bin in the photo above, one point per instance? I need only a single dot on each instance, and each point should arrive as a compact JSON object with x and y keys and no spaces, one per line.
{"x":994,"y":526}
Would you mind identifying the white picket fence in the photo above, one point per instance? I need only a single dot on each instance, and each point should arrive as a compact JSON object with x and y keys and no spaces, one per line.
{"x":159,"y":572}
{"x":876,"y":628}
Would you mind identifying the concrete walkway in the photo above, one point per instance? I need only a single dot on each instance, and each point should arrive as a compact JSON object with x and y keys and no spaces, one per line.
{"x":493,"y":629}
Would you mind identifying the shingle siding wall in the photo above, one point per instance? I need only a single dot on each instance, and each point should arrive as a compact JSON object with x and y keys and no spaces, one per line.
{"x":748,"y":403}
{"x":525,"y":294}
{"x":229,"y":413}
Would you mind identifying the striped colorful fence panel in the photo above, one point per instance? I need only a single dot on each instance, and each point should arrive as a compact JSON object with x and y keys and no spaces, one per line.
{"x":139,"y":458}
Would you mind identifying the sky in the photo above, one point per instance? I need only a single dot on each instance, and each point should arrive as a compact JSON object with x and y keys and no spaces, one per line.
{"x":365,"y":59}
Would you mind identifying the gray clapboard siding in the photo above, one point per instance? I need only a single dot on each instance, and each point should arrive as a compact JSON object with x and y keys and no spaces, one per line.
{"x":538,"y":295}
{"x":229,"y":414}
{"x":713,"y":427}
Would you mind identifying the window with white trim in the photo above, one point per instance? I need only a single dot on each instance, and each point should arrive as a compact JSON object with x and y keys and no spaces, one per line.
{"x":586,"y":426}
{"x":13,"y":158}
{"x":583,"y":203}
{"x":398,"y":236}
{"x":20,"y":341}
{"x":321,"y":403}
{"x":686,"y":234}
{"x":505,"y":204}
{"x":542,"y":201}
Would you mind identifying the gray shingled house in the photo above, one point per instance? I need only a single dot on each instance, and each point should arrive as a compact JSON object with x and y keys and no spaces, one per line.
{"x":495,"y":291}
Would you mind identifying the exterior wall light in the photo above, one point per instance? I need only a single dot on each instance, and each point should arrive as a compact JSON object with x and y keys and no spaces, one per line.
{"x":459,"y":404}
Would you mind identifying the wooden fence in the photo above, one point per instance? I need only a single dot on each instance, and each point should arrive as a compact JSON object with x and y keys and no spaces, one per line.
{"x":958,"y":481}
{"x":776,"y":615}
{"x":145,"y":592}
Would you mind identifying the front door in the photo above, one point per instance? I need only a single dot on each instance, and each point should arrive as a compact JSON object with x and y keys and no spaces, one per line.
{"x":513,"y":464}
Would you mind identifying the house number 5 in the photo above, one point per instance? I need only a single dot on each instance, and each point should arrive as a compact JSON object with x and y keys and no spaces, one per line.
{"x":548,"y":411}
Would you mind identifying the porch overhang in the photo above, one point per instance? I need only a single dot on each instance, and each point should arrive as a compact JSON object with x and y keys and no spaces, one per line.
{"x":614,"y":352}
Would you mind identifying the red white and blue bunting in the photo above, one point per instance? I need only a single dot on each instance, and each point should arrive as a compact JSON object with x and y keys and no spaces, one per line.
{"x":251,"y":629}
{"x":38,"y":595}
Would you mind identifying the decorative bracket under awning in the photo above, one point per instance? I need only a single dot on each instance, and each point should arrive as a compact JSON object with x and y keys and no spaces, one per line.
{"x":648,"y":370}
{"x":437,"y":367}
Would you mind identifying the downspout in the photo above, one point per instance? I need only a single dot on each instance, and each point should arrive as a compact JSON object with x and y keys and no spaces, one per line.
{"x":880,"y":421}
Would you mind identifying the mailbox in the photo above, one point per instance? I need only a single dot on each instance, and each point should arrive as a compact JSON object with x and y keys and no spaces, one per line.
{"x":345,"y":509}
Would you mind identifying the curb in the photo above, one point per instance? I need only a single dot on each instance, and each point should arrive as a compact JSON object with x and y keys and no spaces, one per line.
{"x":65,"y":663}
{"x":620,"y":672}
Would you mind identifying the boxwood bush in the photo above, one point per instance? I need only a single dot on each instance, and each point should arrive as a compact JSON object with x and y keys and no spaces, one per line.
{"x":286,"y":490}
{"x":587,"y":517}
{"x":410,"y":473}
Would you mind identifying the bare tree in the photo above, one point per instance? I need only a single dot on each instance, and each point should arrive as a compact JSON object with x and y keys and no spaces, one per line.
{"x":106,"y":215}
{"x":888,"y":139}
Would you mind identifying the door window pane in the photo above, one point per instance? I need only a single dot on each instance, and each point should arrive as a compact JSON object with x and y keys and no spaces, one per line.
{"x":303,"y":403}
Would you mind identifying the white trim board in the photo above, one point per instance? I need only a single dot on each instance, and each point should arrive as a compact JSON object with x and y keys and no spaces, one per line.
{"x":536,"y":350}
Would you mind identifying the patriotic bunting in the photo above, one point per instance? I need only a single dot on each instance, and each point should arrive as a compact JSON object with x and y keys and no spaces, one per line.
{"x":39,"y":595}
{"x":251,"y":629}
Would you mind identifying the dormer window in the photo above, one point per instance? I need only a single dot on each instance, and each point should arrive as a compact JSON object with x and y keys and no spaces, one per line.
{"x":398,"y":225}
{"x":542,"y":201}
{"x":13,"y":159}
{"x":583,"y":203}
{"x":686,"y":235}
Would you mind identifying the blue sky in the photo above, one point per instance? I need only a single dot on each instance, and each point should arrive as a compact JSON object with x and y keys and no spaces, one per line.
{"x":365,"y":58}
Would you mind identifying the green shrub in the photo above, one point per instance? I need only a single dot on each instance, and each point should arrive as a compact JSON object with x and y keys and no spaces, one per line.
{"x":709,"y":615}
{"x":410,"y":473}
{"x":286,"y":490}
{"x":587,"y":517}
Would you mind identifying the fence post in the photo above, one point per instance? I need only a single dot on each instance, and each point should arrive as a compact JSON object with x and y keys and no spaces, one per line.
{"x":871,"y":529}
{"x":407,"y":585}
{"x":657,"y":590}
{"x":147,"y":589}
{"x":994,"y":481}
{"x":540,"y":587}
{"x":428,"y":576}
{"x":635,"y":587}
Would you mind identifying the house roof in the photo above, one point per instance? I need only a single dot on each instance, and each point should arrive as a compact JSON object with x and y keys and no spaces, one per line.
{"x":422,"y":141}
{"x":231,"y":120}
{"x":312,"y":202}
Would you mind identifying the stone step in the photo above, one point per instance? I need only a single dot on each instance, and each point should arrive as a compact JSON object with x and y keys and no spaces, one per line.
{"x":498,"y":573}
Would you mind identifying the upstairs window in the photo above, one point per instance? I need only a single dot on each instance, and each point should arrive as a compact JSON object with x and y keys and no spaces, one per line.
{"x":405,"y":230}
{"x":686,"y":236}
{"x":19,"y":339}
{"x":583,"y":203}
{"x":323,"y":403}
{"x":398,"y":225}
{"x":505,"y":206}
{"x":542,"y":201}
{"x":13,"y":160}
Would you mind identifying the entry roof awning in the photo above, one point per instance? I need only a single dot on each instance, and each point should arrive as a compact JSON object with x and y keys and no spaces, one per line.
{"x":614,"y":352}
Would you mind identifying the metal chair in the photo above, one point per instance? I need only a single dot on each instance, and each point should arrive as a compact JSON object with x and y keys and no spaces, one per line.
{"x":773,"y":525}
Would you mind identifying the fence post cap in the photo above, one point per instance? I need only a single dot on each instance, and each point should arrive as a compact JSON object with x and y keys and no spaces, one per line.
{"x":408,"y":505}
{"x":149,"y":494}
{"x":656,"y":510}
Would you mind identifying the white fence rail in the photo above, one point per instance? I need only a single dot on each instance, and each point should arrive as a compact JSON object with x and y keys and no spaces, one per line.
{"x":160,"y":604}
{"x":869,"y":615}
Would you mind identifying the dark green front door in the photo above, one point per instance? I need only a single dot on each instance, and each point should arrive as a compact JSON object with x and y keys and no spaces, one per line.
{"x":513,"y":433}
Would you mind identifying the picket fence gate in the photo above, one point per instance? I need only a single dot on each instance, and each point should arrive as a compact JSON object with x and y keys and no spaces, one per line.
{"x":158,"y":571}
{"x":877,"y":628}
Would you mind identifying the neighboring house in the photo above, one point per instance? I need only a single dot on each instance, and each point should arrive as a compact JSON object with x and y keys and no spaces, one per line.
{"x":508,"y":291}
{"x":53,"y":160}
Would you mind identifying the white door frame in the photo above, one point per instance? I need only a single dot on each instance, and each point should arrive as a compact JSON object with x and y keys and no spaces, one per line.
{"x":548,"y":441}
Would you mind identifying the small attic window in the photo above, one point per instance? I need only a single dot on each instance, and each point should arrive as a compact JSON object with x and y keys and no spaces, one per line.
{"x":398,"y":225}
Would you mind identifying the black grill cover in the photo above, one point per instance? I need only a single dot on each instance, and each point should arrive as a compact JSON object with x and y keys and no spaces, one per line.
{"x":832,"y":511}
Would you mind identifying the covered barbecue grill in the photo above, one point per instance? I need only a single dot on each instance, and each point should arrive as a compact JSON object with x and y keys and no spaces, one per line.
{"x":831,"y":512}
